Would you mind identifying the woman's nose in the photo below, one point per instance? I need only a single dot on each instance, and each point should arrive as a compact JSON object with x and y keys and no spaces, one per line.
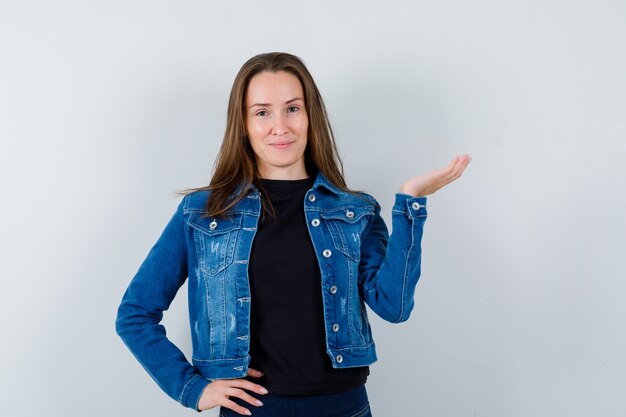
{"x":279,"y":127}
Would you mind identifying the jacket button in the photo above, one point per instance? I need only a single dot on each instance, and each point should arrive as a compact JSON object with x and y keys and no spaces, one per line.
{"x":315,"y":222}
{"x":213,"y":225}
{"x":333,"y":289}
{"x":416,"y":205}
{"x":311,"y":197}
{"x":327,"y":253}
{"x":335,"y":327}
{"x":349,"y":214}
{"x":339,"y":358}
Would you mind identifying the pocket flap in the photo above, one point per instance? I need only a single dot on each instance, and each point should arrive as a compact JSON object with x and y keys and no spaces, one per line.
{"x":347,"y":214}
{"x":212,"y":226}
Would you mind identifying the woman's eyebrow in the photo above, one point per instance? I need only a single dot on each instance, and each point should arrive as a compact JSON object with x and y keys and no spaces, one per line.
{"x":269,"y":104}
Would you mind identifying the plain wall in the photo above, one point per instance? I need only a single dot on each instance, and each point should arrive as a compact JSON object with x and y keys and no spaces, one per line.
{"x":108,"y":107}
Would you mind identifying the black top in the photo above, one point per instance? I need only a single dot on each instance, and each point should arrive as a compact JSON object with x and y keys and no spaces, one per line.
{"x":287,"y":336}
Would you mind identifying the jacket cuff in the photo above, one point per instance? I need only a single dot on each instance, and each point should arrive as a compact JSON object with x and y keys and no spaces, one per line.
{"x":410,"y":206}
{"x":193,"y":391}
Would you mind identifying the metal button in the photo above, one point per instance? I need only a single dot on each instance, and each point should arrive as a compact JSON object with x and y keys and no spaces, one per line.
{"x":327,"y":253}
{"x":333,"y":289}
{"x":213,"y":224}
{"x":315,"y":222}
{"x":349,"y":214}
{"x":311,"y":197}
{"x":335,"y":327}
{"x":416,"y":205}
{"x":339,"y":358}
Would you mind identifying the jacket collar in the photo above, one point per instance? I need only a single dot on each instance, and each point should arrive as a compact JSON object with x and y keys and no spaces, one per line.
{"x":320,"y":182}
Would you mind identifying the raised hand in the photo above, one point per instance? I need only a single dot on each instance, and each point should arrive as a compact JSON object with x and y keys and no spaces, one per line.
{"x":428,"y":183}
{"x":219,"y":391}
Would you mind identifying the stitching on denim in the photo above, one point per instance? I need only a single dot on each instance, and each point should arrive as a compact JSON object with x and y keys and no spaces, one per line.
{"x":225,"y":326}
{"x":240,"y":304}
{"x":341,"y":242}
{"x":354,"y":348}
{"x":211,"y":321}
{"x":404,"y":278}
{"x":201,"y":361}
{"x":182,"y":393}
{"x":362,"y":411}
{"x":185,"y":204}
{"x":199,"y":240}
{"x":348,"y":296}
{"x":232,"y":211}
{"x":367,"y":209}
{"x":234,"y":226}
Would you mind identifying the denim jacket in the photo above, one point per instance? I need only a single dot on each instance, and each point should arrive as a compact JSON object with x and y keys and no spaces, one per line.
{"x":359,"y":263}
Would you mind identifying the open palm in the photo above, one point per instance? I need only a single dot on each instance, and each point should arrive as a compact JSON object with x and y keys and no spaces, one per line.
{"x":428,"y":183}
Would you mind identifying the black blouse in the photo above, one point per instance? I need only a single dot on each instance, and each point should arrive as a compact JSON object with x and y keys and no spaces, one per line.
{"x":287,"y":336}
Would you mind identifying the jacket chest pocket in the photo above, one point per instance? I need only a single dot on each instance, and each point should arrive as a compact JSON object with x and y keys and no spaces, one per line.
{"x":346,"y":226}
{"x":215,"y":240}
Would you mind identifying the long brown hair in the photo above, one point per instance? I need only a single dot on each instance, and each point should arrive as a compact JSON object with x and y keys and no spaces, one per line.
{"x":236,"y":163}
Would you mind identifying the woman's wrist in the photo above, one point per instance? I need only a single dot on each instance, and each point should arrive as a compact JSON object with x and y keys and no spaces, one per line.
{"x":413,"y":193}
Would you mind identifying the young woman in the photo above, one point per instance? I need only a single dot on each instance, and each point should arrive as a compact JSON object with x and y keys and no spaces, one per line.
{"x":281,"y":258}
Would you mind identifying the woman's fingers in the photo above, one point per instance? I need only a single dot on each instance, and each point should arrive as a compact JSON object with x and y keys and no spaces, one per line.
{"x":234,"y":391}
{"x":219,"y":391}
{"x":254,"y":373}
{"x":250,"y":386}
{"x":236,"y":407}
{"x":460,"y":164}
{"x":432,"y":181}
{"x":457,"y":167}
{"x":239,"y":393}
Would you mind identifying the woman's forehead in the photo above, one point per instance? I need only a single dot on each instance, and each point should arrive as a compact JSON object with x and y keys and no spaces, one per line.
{"x":273,"y":88}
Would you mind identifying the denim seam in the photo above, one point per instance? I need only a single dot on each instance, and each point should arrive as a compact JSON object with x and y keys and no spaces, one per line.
{"x":182,"y":393}
{"x":185,"y":203}
{"x":353,"y":347}
{"x":348,"y":298}
{"x":201,"y":361}
{"x":367,"y":209}
{"x":225,"y":328}
{"x":361,"y":411}
{"x":405,"y":275}
{"x":203,"y":275}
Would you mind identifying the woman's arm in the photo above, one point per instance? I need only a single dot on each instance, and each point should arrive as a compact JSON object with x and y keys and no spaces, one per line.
{"x":390,"y":266}
{"x":151,"y":292}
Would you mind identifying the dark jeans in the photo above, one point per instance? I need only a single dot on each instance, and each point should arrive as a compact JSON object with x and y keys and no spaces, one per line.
{"x":351,"y":403}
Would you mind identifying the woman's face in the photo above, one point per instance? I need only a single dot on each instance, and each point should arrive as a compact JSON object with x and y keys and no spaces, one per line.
{"x":277,"y":124}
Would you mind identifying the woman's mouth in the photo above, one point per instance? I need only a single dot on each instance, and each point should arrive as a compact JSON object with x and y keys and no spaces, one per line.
{"x":281,"y":145}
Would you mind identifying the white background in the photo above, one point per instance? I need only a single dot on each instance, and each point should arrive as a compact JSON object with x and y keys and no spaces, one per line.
{"x":107,"y":108}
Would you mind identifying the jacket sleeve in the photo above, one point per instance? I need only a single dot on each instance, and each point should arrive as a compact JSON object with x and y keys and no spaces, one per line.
{"x":390,"y":266}
{"x":149,"y":293}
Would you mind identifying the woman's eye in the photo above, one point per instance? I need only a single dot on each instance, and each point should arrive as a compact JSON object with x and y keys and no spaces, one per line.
{"x":293,"y":108}
{"x":261,"y":113}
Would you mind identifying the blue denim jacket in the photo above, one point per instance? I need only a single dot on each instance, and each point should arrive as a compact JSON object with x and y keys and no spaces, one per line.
{"x":359,"y":263}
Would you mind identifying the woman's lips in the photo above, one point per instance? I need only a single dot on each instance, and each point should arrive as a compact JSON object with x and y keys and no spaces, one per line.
{"x":281,"y":145}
